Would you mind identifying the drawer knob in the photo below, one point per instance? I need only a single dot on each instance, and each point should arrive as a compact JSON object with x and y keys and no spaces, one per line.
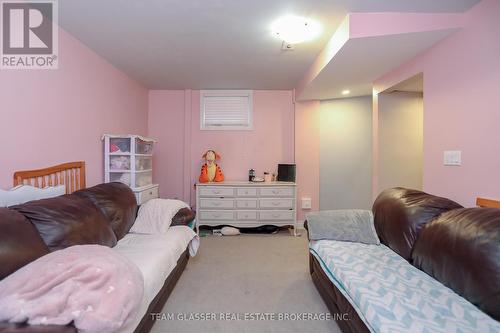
{"x":276,"y":203}
{"x":216,"y":191}
{"x":276,"y":191}
{"x":216,"y":215}
{"x":276,"y":215}
{"x":215,"y":203}
{"x":150,"y":192}
{"x":246,"y":204}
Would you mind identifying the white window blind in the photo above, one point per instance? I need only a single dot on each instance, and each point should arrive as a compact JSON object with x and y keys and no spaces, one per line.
{"x":226,"y":109}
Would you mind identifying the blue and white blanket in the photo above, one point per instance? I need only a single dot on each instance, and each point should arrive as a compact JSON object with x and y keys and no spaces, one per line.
{"x":391,"y":295}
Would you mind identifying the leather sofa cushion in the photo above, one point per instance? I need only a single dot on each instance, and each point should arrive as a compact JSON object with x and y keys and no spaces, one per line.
{"x":461,"y":249}
{"x":20,"y":242}
{"x":68,"y":220}
{"x":183,"y":217}
{"x":400,"y":214}
{"x":117,"y":202}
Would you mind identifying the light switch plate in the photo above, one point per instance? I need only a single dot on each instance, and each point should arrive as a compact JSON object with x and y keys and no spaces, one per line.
{"x":306,"y":203}
{"x":452,"y":158}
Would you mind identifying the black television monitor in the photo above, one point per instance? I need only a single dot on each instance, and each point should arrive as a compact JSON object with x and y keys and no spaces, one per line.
{"x":286,"y":172}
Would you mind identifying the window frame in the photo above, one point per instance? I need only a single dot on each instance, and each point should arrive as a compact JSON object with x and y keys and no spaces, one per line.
{"x":226,"y":93}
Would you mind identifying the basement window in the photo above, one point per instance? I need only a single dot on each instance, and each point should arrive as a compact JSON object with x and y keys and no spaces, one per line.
{"x":226,"y":110}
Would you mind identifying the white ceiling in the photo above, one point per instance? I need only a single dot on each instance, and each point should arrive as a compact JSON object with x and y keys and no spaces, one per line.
{"x":363,"y":60}
{"x":210,"y":44}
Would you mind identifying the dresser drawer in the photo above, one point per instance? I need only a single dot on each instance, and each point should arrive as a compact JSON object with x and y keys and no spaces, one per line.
{"x":276,"y":192}
{"x":246,"y":203}
{"x":246,"y":215}
{"x":217,"y":215}
{"x":276,"y":203}
{"x":276,"y":215}
{"x":145,"y":195}
{"x":246,"y":192}
{"x":217,"y":203}
{"x":216,"y":191}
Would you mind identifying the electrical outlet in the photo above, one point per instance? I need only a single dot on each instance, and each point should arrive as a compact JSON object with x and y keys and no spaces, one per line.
{"x":306,"y":203}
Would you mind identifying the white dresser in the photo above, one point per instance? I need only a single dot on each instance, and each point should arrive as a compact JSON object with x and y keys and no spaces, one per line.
{"x":246,"y":204}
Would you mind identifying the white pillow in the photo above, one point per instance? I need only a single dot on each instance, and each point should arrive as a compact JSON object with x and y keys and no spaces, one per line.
{"x":24,"y":193}
{"x":155,"y":216}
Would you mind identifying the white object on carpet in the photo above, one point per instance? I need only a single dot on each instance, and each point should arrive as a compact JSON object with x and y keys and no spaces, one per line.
{"x":230,"y":231}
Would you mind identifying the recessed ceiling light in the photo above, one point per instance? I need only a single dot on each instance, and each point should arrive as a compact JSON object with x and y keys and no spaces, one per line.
{"x":346,"y":92}
{"x":295,"y":29}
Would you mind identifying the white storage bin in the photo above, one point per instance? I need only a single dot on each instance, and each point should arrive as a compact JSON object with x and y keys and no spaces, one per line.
{"x":122,"y":177}
{"x":129,"y":159}
{"x":119,"y":145}
{"x":143,"y":147}
{"x":143,"y":163}
{"x":119,"y":162}
{"x":143,"y":179}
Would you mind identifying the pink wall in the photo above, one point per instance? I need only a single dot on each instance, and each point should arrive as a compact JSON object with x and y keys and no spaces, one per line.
{"x":307,"y":147}
{"x":166,"y":124}
{"x":461,"y":98}
{"x":49,"y":117}
{"x":270,"y":142}
{"x":175,"y":114}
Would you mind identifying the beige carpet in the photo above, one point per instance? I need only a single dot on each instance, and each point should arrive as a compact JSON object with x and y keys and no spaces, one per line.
{"x":246,"y":274}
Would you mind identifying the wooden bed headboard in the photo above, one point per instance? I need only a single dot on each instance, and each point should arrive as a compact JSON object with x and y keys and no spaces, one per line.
{"x":71,"y":174}
{"x":487,"y":203}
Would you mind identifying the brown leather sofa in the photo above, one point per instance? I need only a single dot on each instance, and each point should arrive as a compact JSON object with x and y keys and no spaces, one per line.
{"x":460,"y":247}
{"x":102,"y":214}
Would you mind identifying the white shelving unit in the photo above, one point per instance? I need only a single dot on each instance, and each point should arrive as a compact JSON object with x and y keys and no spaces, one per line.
{"x":129,"y":159}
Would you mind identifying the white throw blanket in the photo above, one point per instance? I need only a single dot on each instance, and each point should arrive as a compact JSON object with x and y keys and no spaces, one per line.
{"x":349,"y":225}
{"x":91,"y":285}
{"x":194,"y":244}
{"x":155,"y":216}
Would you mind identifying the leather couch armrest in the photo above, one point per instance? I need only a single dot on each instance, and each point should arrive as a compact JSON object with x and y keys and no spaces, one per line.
{"x":307,"y":229}
{"x":183,"y":217}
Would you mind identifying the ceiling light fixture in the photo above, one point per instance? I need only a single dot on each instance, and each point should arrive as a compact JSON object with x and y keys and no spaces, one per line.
{"x":295,"y":29}
{"x":346,"y":92}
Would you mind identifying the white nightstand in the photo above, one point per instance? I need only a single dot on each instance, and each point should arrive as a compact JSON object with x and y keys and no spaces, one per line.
{"x":145,"y":193}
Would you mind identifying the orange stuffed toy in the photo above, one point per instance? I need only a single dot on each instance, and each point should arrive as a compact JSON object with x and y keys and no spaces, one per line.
{"x":210,"y":171}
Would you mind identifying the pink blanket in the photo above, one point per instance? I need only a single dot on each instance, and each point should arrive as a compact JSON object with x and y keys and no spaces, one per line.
{"x":91,"y":285}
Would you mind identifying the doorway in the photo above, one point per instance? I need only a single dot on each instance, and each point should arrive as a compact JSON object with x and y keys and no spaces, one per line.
{"x":401,"y":110}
